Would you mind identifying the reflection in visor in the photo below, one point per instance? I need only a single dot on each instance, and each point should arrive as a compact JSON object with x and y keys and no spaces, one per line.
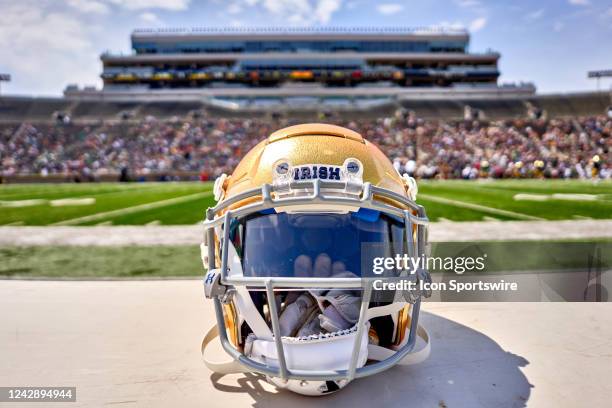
{"x":313,"y":245}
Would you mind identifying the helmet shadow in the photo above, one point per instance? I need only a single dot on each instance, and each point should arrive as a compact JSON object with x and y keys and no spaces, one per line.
{"x":466,"y":368}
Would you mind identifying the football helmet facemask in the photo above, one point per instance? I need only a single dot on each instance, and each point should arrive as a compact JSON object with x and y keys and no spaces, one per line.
{"x":284,"y":247}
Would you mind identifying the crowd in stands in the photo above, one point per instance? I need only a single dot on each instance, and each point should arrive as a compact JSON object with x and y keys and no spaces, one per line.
{"x":529,"y":148}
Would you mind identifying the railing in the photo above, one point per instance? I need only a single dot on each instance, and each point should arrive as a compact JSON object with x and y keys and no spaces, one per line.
{"x":302,"y":30}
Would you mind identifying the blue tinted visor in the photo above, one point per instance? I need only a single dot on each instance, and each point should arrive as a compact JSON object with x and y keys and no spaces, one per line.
{"x":314,"y":245}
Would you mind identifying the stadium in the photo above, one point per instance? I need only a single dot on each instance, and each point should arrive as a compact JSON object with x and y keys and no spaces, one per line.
{"x":113,"y":184}
{"x":187,"y":104}
{"x":415,"y":92}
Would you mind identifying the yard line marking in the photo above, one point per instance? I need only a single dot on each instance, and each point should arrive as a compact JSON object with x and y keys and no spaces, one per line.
{"x":555,"y":196}
{"x":22,"y":203}
{"x":478,"y":207}
{"x":14,"y":224}
{"x":582,"y":217}
{"x":133,"y":209}
{"x":153,"y":223}
{"x":442,"y":219}
{"x":63,"y":202}
{"x":76,"y":193}
{"x":574,"y":197}
{"x":487,"y":218}
{"x":104,"y":224}
{"x":531,"y":197}
{"x":94,"y":191}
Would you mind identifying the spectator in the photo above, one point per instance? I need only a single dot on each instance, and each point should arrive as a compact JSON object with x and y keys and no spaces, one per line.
{"x":536,"y":147}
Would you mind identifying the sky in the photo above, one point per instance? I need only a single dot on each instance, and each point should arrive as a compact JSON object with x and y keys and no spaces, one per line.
{"x":48,"y":44}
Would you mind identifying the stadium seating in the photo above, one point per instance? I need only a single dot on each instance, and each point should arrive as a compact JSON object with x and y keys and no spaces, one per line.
{"x":205,"y":145}
{"x":573,"y":104}
{"x":445,"y":108}
{"x":101,"y":110}
{"x":16,"y":108}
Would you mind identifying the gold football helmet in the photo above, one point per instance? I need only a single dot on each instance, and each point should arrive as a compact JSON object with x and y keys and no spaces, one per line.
{"x":288,"y":249}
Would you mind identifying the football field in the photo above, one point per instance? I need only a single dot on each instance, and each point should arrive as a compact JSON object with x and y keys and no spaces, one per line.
{"x":185,"y":203}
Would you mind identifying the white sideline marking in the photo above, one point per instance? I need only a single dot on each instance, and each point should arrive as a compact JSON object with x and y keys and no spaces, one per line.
{"x":487,"y":218}
{"x":64,"y":202}
{"x":555,"y":196}
{"x":442,"y":219}
{"x":133,"y":209}
{"x":14,"y":224}
{"x":531,"y":197}
{"x":153,"y":223}
{"x":582,"y":217}
{"x":104,"y":224}
{"x":22,"y":203}
{"x":479,"y":207}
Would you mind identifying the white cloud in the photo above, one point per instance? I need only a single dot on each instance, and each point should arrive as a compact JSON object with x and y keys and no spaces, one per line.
{"x":43,"y":50}
{"x":288,"y":7}
{"x":299,"y":12}
{"x":446,"y":25}
{"x":150,"y":17}
{"x":325,"y":9}
{"x":234,"y":8}
{"x":475,"y":25}
{"x":389,"y":8}
{"x":535,"y":15}
{"x":175,"y":5}
{"x":478,"y":24}
{"x":47,"y":44}
{"x":351,"y":5}
{"x":88,"y":6}
{"x":468,"y":3}
{"x":579,"y":2}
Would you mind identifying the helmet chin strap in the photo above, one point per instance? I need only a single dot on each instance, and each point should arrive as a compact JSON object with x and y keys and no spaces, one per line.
{"x":251,"y":315}
{"x":227,"y":366}
{"x":379,"y":353}
{"x":244,"y":302}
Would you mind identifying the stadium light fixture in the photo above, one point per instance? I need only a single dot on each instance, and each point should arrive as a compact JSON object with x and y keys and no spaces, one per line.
{"x":5,"y":78}
{"x":606,"y":73}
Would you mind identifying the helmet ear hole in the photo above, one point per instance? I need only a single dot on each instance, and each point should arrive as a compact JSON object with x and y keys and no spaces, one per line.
{"x":231,"y":322}
{"x":384,"y":327}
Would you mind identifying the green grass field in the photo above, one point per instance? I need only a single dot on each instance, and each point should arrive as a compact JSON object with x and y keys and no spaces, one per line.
{"x":185,"y":203}
{"x":166,"y":261}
